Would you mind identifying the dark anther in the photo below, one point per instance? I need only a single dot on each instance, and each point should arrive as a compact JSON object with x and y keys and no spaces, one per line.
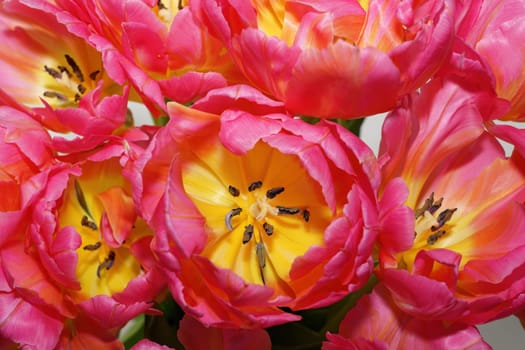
{"x":179,"y":6}
{"x":435,"y":206}
{"x":64,"y":70}
{"x":81,"y":88}
{"x":92,"y":246}
{"x":234,"y":191}
{"x":93,"y":75}
{"x":77,"y":97}
{"x":57,"y":95}
{"x":107,"y":263}
{"x":53,"y":72}
{"x":430,"y":205}
{"x":272,"y":192}
{"x":254,"y":185}
{"x":74,"y":66}
{"x":248,"y":233}
{"x":229,"y":216}
{"x":286,"y":210}
{"x":432,"y":239}
{"x":268,"y":228}
{"x":161,"y":5}
{"x":443,"y":217}
{"x":306,"y":215}
{"x":86,"y":222}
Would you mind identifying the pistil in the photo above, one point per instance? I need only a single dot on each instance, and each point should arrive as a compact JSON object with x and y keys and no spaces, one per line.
{"x":259,"y":209}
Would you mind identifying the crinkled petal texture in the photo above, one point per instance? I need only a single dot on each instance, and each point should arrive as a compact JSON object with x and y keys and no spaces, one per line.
{"x":85,"y":252}
{"x":494,"y":29}
{"x":470,"y":265}
{"x":333,"y":58}
{"x":25,"y":148}
{"x":46,"y":63}
{"x":377,"y":323}
{"x":28,"y":292}
{"x":257,"y":212}
{"x":141,"y":43}
{"x":195,"y":336}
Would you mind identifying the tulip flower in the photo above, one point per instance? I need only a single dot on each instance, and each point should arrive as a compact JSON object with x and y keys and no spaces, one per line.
{"x":377,"y":323}
{"x":47,"y":64}
{"x":463,"y":264}
{"x":74,"y":254}
{"x":256,"y":212}
{"x":141,"y":42}
{"x":332,"y":58}
{"x":29,"y":292}
{"x":494,"y":31}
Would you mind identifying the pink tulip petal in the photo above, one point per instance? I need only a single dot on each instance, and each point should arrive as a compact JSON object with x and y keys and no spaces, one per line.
{"x":348,"y":78}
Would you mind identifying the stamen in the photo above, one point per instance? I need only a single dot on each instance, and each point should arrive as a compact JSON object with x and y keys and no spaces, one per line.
{"x":432,"y":239}
{"x":435,"y":206}
{"x":92,"y":246}
{"x":268,"y":228}
{"x":81,"y":88}
{"x":161,"y":5}
{"x":179,"y":6}
{"x":86,"y":222}
{"x":57,"y":95}
{"x":53,"y":72}
{"x":64,"y":70}
{"x":233,"y":191}
{"x":254,"y":185}
{"x":273,"y":192}
{"x":74,"y":66}
{"x":229,"y":216}
{"x":443,"y":217}
{"x":93,"y":75}
{"x":107,"y":263}
{"x":306,"y":215}
{"x":285,"y":210}
{"x":261,"y":259}
{"x":430,"y":205}
{"x":248,"y":233}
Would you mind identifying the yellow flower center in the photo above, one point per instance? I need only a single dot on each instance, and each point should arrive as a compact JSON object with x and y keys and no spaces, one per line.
{"x":433,"y":227}
{"x":262,"y":210}
{"x":98,"y":200}
{"x":167,"y":9}
{"x":66,"y":82}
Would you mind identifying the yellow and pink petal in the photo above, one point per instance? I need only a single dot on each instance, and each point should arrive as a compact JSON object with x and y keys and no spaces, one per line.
{"x":377,"y":323}
{"x":453,"y":168}
{"x":238,"y":241}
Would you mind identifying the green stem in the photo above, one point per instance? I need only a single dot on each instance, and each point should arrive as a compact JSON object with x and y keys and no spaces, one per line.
{"x":339,"y":310}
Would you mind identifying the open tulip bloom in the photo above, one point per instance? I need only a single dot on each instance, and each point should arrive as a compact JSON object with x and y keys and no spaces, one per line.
{"x":247,"y":213}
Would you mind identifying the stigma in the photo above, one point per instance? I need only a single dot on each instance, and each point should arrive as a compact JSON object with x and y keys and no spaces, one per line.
{"x":259,"y":209}
{"x":106,"y":259}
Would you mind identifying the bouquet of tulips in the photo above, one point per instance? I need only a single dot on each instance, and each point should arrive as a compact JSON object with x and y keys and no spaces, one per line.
{"x":248,"y":213}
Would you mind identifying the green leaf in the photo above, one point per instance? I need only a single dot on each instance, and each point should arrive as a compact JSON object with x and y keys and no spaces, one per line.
{"x":163,"y":329}
{"x":338,"y":311}
{"x":161,"y":120}
{"x":294,"y":336}
{"x":352,"y":125}
{"x":132,"y":332}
